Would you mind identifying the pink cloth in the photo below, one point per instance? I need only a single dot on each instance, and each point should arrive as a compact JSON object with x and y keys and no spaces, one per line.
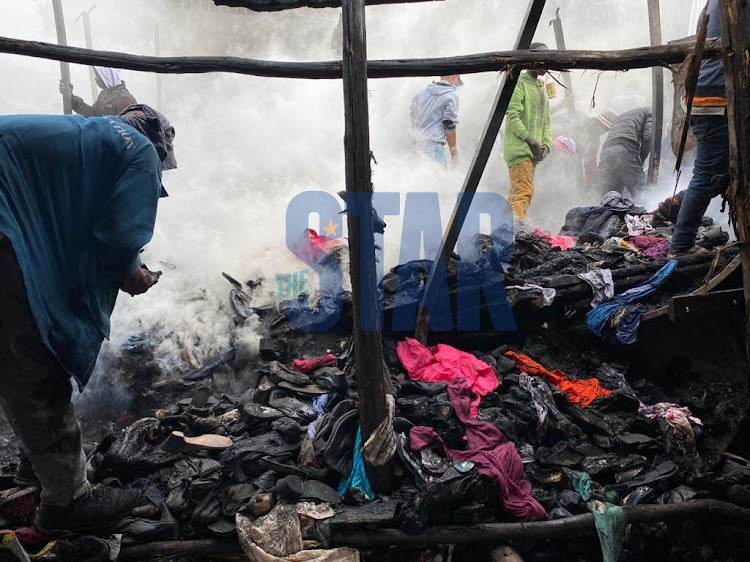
{"x":562,"y":242}
{"x":494,"y":456}
{"x":443,"y":363}
{"x":654,"y":247}
{"x":310,"y":365}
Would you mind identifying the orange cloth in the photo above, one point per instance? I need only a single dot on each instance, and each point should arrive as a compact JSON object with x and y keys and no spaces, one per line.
{"x":712,"y":101}
{"x":521,"y":188}
{"x":579,"y":391}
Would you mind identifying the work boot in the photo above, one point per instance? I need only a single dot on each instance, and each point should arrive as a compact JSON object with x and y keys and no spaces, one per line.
{"x":97,"y":512}
{"x":675,"y":253}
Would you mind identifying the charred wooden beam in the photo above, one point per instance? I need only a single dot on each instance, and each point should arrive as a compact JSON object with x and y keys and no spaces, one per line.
{"x":643,"y":57}
{"x":657,"y":95}
{"x":474,"y":174}
{"x":64,"y":68}
{"x":735,"y":19}
{"x":279,"y":5}
{"x":538,"y":530}
{"x":160,"y":550}
{"x":368,"y":340}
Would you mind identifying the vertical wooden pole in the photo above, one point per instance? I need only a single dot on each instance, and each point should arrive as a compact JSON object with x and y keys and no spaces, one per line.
{"x":478,"y":164}
{"x":64,"y":67}
{"x":657,"y":97}
{"x":570,"y":102}
{"x":157,"y":47}
{"x":90,"y":45}
{"x":735,"y":36}
{"x":368,"y":344}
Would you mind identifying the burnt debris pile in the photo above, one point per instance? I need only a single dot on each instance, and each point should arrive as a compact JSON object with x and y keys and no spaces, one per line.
{"x":549,"y":423}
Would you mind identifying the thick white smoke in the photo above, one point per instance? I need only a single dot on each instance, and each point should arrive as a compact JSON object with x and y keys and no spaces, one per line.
{"x":246,"y":145}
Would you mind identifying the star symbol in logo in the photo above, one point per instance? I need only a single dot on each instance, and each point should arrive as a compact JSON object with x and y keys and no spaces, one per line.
{"x":330,"y":230}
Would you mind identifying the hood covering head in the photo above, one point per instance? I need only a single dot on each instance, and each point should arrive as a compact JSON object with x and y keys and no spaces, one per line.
{"x":152,"y":124}
{"x":110,"y":76}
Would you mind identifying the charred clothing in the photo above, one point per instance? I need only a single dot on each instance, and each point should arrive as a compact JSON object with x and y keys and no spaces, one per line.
{"x":111,"y":101}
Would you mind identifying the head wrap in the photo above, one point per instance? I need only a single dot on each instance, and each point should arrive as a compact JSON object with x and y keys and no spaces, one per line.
{"x":565,"y":145}
{"x":110,"y":76}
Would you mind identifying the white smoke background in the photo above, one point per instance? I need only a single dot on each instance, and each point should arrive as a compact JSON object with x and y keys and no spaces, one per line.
{"x":247,"y":145}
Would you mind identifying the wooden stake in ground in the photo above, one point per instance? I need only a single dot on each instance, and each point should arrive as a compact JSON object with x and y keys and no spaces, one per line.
{"x":735,"y":34}
{"x":570,"y":101}
{"x":368,"y":344}
{"x":64,"y":67}
{"x":89,"y":45}
{"x":657,"y":96}
{"x":474,"y":175}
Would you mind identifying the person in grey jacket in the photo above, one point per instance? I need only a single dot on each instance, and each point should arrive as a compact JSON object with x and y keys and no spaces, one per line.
{"x":434,"y":115}
{"x":624,"y":152}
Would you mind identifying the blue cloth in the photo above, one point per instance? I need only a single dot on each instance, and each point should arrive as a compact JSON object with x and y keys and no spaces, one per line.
{"x":78,"y":202}
{"x":357,"y":478}
{"x":711,"y":81}
{"x":711,"y":158}
{"x":598,"y":318}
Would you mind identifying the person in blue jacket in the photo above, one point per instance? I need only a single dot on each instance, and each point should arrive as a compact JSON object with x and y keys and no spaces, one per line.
{"x":78,"y":202}
{"x":711,"y":129}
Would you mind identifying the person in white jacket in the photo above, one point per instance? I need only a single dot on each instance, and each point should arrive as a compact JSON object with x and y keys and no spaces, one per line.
{"x":434,"y":116}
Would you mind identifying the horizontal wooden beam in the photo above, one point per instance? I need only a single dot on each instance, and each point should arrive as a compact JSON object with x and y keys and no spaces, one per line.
{"x":708,"y":510}
{"x":626,"y":59}
{"x":278,"y":5}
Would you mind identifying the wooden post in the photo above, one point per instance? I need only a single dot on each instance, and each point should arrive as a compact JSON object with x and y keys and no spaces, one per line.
{"x":89,"y":45}
{"x":657,"y":96}
{"x":570,"y":101}
{"x":157,"y":47}
{"x":479,"y":162}
{"x":368,"y":344}
{"x":64,"y":67}
{"x":735,"y":34}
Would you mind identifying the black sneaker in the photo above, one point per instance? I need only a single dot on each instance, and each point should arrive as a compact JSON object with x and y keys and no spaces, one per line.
{"x":96,"y":513}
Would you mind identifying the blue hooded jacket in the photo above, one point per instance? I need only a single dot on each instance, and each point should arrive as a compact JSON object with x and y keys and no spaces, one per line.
{"x":78,"y":201}
{"x":711,"y":81}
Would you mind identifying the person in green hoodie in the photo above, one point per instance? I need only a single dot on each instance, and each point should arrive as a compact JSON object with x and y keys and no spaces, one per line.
{"x":528,"y":137}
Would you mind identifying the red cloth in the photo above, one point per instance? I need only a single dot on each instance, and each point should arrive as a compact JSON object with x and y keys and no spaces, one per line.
{"x":310,"y":365}
{"x":494,"y":456}
{"x":579,"y":391}
{"x":443,"y":363}
{"x":562,"y":242}
{"x":27,"y":536}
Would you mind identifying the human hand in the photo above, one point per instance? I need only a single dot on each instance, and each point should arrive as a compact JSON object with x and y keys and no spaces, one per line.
{"x":63,"y":88}
{"x":536,"y":148}
{"x":140,"y":282}
{"x":545,"y":152}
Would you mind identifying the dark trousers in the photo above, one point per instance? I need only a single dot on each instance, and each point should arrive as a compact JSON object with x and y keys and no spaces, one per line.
{"x":711,"y":158}
{"x":618,"y":169}
{"x":35,"y":393}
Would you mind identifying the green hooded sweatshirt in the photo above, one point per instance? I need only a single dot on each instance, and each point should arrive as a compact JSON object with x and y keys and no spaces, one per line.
{"x":528,"y":115}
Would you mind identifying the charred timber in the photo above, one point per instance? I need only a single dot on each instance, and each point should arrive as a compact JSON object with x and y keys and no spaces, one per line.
{"x":279,"y":5}
{"x":642,"y":57}
{"x":540,"y":530}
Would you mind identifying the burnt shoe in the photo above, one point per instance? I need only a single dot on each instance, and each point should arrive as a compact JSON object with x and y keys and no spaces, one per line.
{"x":95,"y":513}
{"x":25,"y":475}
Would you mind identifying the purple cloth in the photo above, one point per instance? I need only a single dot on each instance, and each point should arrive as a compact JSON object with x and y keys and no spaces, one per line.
{"x":494,"y":456}
{"x":653,"y":247}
